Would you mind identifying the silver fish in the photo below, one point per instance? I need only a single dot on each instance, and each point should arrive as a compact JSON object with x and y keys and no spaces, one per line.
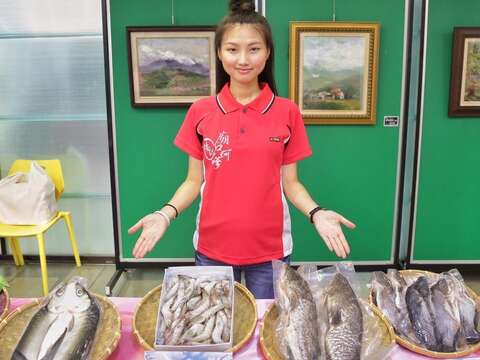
{"x":298,"y":316}
{"x":173,"y":337}
{"x":180,"y":297}
{"x":449,"y":330}
{"x":193,"y":302}
{"x":207,"y":331}
{"x":466,"y":304}
{"x":207,"y":314}
{"x":192,"y":332}
{"x":226,"y":327}
{"x":166,"y":312}
{"x":63,"y":329}
{"x":421,"y":313}
{"x":343,"y":337}
{"x":400,"y":286}
{"x":226,"y":316}
{"x":188,"y":315}
{"x":173,"y":288}
{"x":218,"y":329}
{"x":390,"y":298}
{"x":202,"y":306}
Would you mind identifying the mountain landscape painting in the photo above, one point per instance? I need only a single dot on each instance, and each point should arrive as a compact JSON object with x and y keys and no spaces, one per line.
{"x":174,"y":66}
{"x":333,"y":72}
{"x":170,"y":65}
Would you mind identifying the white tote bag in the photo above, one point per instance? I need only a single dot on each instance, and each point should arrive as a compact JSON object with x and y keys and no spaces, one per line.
{"x":27,"y":198}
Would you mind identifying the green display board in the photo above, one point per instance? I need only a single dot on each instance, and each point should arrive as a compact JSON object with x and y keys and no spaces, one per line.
{"x":353,"y":169}
{"x":447,"y":221}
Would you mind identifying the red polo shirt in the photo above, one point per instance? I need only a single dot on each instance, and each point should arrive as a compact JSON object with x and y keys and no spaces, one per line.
{"x":243,"y":216}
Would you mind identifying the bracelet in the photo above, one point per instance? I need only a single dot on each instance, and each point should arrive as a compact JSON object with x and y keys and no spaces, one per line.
{"x":174,"y":208}
{"x":165,"y":216}
{"x":312,"y":212}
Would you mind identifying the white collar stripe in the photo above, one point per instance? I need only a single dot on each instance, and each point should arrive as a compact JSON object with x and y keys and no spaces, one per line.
{"x":220,"y":104}
{"x":269,"y":104}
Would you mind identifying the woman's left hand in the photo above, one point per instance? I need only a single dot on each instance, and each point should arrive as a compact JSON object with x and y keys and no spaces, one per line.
{"x":328,"y":224}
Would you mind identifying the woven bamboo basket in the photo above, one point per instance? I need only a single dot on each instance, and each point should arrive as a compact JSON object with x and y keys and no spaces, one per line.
{"x":244,"y":321}
{"x":420,"y":350}
{"x":4,"y":304}
{"x":268,"y":329}
{"x":108,"y":335}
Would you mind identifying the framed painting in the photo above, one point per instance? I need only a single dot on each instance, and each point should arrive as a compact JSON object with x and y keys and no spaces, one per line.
{"x":465,"y":74}
{"x":170,"y":66}
{"x":333,"y":71}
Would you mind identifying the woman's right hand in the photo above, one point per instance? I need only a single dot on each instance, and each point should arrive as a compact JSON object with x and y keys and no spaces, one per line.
{"x":154,"y":226}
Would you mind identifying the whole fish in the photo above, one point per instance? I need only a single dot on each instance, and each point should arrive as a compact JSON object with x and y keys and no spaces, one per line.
{"x":400,"y":286}
{"x":466,"y":304}
{"x":421,"y":313}
{"x":447,"y":319}
{"x":385,"y":297}
{"x":63,"y":329}
{"x":343,"y":337}
{"x":298,"y":316}
{"x":404,"y":326}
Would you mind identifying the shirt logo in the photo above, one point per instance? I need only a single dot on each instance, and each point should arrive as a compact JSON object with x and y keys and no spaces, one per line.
{"x":216,"y":151}
{"x":274,"y":139}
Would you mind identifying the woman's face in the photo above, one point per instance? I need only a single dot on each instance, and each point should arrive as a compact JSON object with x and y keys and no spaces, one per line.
{"x":243,"y":53}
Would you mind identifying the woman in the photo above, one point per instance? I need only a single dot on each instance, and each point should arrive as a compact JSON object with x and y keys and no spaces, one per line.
{"x":243,"y":146}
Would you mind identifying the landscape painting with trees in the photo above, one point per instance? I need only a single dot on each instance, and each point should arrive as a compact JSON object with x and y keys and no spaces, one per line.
{"x":333,"y":71}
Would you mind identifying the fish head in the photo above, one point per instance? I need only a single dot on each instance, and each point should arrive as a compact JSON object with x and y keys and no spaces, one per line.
{"x":422,"y":286}
{"x":291,"y":287}
{"x":442,"y":286}
{"x":339,"y":284}
{"x":381,"y":279}
{"x":396,"y":278}
{"x":71,"y":297}
{"x":340,"y":294}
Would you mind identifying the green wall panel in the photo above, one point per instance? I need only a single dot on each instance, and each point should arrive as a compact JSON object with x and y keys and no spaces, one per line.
{"x":353,"y":169}
{"x":448,"y":193}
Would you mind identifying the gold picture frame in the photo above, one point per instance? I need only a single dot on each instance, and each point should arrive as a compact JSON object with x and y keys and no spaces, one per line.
{"x":334,"y":71}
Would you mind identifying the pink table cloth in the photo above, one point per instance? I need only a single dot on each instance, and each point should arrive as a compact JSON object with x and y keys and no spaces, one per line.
{"x":128,"y":347}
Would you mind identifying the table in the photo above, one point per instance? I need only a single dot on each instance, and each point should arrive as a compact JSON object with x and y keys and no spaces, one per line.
{"x":128,"y":347}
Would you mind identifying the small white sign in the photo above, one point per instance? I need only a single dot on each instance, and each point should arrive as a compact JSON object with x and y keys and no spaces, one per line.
{"x":391,"y":121}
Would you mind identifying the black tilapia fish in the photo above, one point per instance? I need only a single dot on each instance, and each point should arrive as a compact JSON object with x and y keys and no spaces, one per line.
{"x":421,"y":313}
{"x":63,"y":329}
{"x":298,"y":316}
{"x":447,"y":317}
{"x":343,"y":337}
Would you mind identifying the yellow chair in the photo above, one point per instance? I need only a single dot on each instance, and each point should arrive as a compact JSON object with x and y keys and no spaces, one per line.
{"x":13,"y":232}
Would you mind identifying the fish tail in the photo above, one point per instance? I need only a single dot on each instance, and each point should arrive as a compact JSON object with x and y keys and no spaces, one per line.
{"x":473,"y":337}
{"x":17,"y":355}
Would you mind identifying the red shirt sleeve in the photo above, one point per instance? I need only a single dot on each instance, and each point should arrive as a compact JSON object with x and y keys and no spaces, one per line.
{"x":297,"y":147}
{"x":187,"y":139}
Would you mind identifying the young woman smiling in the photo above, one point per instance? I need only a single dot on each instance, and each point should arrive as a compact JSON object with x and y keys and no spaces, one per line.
{"x":243,"y":146}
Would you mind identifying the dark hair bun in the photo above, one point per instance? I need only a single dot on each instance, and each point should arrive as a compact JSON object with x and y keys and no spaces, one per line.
{"x":242,"y":6}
